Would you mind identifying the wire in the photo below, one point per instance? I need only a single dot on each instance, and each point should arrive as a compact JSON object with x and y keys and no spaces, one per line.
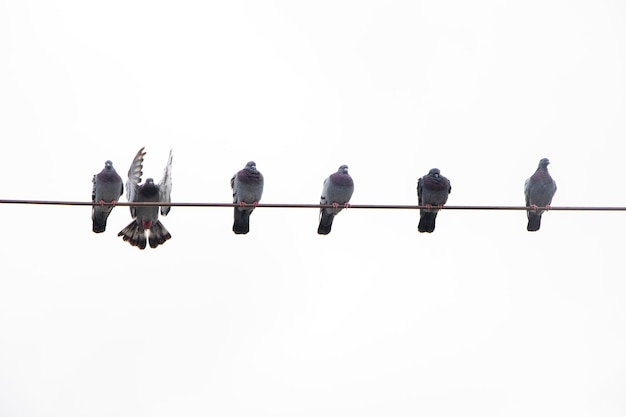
{"x":317,"y":206}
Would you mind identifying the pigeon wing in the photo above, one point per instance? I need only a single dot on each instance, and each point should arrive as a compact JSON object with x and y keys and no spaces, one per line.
{"x":527,"y":192}
{"x":165,"y":186}
{"x":134,"y":178}
{"x":420,"y":191}
{"x":93,"y":189}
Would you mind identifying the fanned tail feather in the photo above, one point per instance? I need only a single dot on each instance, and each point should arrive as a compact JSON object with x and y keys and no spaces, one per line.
{"x":158,"y":234}
{"x":134,"y":234}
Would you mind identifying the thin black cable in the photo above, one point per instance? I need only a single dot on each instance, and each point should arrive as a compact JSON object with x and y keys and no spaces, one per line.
{"x":317,"y":206}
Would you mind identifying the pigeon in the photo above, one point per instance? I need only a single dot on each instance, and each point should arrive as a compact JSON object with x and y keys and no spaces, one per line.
{"x":107,"y":188}
{"x":146,"y":224}
{"x":247,"y":186}
{"x":538,"y":190}
{"x":337,"y":190}
{"x":432,"y":190}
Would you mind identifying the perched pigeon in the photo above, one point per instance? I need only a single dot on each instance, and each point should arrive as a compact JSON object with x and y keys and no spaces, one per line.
{"x":337,"y":190}
{"x":107,"y":188}
{"x":538,"y":190}
{"x":432,"y":190}
{"x":247,"y":186}
{"x":146,"y":224}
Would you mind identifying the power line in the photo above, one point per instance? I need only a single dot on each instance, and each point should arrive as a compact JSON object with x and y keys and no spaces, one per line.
{"x":317,"y":206}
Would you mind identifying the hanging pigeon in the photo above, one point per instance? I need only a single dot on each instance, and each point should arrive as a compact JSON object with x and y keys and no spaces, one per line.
{"x":247,"y":186}
{"x":337,"y":190}
{"x":538,"y":190}
{"x":146,"y":225}
{"x":432,"y":190}
{"x":107,"y":188}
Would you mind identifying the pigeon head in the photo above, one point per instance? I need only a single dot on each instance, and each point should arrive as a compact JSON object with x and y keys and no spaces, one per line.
{"x":148,"y":188}
{"x":343,"y":169}
{"x":108,"y":164}
{"x":251,"y":166}
{"x":434,"y":172}
{"x":544,"y":163}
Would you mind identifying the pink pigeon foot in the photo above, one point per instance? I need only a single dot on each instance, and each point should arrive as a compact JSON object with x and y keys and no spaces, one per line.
{"x":346,"y":205}
{"x":335,"y":205}
{"x":548,"y":206}
{"x":101,"y":202}
{"x":242,"y":204}
{"x":534,"y":206}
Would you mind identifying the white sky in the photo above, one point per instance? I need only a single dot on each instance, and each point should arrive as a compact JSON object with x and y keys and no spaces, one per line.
{"x":479,"y":318}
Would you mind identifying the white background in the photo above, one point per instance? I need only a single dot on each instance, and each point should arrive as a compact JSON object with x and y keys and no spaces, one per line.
{"x":479,"y":318}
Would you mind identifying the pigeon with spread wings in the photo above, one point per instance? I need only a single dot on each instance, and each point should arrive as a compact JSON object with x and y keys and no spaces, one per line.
{"x":146,"y":226}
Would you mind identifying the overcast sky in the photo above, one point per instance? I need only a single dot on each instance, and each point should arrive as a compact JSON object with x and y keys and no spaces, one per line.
{"x":479,"y":318}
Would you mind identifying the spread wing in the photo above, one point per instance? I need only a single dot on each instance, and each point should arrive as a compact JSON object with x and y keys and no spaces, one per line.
{"x":134,"y":178}
{"x":165,"y":186}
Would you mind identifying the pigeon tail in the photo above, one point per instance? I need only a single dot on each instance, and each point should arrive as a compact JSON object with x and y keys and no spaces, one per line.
{"x":134,"y":234}
{"x":534,"y":222}
{"x":326,"y":222}
{"x":427,"y":222}
{"x":158,"y":234}
{"x":241,"y":226}
{"x":99,"y":218}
